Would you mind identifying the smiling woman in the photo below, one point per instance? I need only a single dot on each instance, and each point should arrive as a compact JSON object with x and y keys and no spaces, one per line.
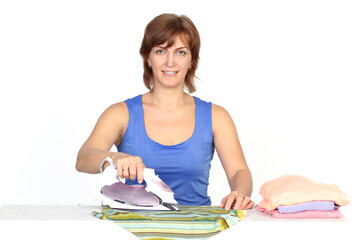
{"x":170,"y":65}
{"x":163,"y":32}
{"x":167,"y":129}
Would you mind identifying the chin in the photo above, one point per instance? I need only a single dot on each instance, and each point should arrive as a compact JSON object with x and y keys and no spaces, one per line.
{"x":170,"y":84}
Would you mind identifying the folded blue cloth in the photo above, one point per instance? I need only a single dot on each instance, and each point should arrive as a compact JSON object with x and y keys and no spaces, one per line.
{"x":314,"y":205}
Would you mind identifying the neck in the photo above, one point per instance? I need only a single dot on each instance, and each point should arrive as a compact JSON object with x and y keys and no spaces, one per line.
{"x":168,"y":98}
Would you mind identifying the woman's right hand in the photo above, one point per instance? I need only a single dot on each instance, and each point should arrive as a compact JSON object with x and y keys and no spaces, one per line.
{"x":129,"y":167}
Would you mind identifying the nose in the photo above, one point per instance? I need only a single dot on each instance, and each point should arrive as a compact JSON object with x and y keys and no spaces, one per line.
{"x":170,"y":59}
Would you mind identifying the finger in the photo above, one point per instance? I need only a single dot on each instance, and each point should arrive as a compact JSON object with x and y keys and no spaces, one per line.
{"x":245,"y":202}
{"x":229,"y":202}
{"x":126,"y":173}
{"x":125,"y":168}
{"x":132,"y":172}
{"x":223,"y":201}
{"x":120,"y":172}
{"x":140,"y":172}
{"x":239,"y":202}
{"x":250,"y":205}
{"x":132,"y":169}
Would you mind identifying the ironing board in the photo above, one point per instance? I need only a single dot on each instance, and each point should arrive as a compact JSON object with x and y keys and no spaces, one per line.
{"x":64,"y":222}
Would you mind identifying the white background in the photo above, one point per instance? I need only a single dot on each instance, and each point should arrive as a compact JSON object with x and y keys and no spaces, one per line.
{"x":288,"y":72}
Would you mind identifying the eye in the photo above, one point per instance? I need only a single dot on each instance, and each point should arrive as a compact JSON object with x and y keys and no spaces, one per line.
{"x":159,"y":51}
{"x":181,"y":52}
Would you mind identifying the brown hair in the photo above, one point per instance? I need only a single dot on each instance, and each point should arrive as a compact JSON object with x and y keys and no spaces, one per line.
{"x":165,"y":28}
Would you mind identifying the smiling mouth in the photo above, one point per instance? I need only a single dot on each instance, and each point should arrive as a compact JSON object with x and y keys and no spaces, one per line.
{"x":169,"y":73}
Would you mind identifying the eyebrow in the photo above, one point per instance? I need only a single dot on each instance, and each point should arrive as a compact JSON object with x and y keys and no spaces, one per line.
{"x":175,"y":49}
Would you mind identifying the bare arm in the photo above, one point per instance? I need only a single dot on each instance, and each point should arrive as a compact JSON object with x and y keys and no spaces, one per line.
{"x":108,"y":131}
{"x":228,"y":147}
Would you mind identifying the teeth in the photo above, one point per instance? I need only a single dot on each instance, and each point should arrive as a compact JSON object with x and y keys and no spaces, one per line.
{"x":169,"y":72}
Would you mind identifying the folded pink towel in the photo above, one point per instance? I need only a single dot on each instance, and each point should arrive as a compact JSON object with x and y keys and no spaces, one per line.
{"x":304,"y":214}
{"x":293,"y":189}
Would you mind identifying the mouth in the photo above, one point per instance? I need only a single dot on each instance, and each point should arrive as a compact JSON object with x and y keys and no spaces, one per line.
{"x":170,"y":73}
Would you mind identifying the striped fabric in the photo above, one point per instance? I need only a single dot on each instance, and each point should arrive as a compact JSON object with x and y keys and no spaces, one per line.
{"x":192,"y":222}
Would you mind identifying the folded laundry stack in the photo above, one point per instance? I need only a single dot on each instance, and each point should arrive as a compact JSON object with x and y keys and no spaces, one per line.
{"x":293,"y":197}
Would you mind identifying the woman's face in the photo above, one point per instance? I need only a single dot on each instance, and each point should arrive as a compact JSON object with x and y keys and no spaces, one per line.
{"x":170,"y":65}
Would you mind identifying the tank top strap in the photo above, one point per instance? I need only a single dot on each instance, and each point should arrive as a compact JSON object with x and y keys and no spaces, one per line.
{"x":136,"y":119}
{"x":204,"y":118}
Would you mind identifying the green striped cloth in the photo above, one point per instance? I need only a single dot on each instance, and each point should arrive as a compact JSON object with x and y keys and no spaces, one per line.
{"x":192,"y":222}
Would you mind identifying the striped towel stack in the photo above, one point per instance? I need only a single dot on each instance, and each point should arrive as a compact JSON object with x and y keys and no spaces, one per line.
{"x":192,"y":222}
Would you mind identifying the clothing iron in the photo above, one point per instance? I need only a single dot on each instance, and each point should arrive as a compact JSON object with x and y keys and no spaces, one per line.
{"x":155,"y":196}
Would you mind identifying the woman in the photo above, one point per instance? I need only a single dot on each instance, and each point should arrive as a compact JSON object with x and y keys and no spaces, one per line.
{"x":166,"y":128}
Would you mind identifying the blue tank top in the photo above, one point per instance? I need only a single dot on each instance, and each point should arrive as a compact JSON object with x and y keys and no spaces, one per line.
{"x":184,"y":167}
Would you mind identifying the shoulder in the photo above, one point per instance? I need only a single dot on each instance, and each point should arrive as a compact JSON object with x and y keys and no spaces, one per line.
{"x":114,"y":120}
{"x":122,"y":108}
{"x":119,"y":108}
{"x":219,"y":112}
{"x":115,"y":115}
{"x":221,"y":119}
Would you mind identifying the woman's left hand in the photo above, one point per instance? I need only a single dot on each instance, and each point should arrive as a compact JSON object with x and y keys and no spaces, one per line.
{"x":236,"y":200}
